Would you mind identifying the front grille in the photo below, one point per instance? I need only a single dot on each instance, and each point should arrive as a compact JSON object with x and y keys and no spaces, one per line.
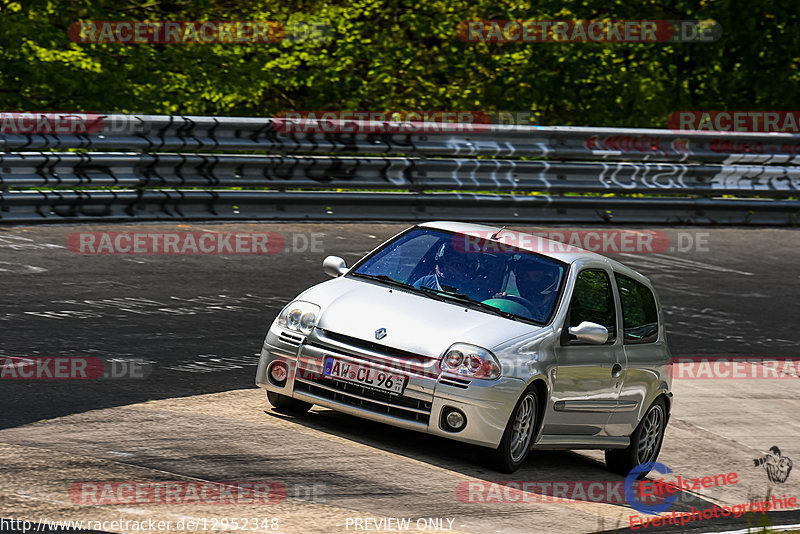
{"x":365,"y":398}
{"x":377,"y":353}
{"x":455,"y":382}
{"x":371,"y":346}
{"x":290,"y":338}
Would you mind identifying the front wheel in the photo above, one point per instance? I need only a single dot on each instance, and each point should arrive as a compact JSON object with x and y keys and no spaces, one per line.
{"x":288,"y":405}
{"x":645,"y":442}
{"x":516,"y":442}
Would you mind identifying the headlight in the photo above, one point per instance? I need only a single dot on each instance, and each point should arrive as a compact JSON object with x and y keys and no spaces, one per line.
{"x":470,"y":361}
{"x":299,"y":316}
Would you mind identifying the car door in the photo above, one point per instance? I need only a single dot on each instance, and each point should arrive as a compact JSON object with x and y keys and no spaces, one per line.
{"x":589,"y":376}
{"x":645,"y":351}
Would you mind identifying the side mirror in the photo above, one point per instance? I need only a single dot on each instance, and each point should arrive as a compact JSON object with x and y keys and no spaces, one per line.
{"x":334,"y":266}
{"x":590,"y":332}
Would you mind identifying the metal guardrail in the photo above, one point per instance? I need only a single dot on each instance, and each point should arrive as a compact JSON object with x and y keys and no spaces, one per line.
{"x":60,"y":170}
{"x":66,"y":177}
{"x":153,"y":133}
{"x":129,"y":205}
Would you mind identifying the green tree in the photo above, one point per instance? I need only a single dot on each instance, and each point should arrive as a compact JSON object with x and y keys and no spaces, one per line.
{"x":401,"y":54}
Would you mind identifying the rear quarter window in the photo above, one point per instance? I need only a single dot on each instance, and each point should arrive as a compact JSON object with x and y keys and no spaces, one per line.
{"x":639,"y":312}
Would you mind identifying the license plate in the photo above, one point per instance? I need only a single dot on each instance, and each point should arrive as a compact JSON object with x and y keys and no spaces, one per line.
{"x":364,"y":375}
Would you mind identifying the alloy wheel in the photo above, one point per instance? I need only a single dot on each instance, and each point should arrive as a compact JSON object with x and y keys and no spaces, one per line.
{"x":650,"y":436}
{"x":522,"y":430}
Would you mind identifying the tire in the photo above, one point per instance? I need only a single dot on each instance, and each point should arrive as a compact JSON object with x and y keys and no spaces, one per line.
{"x":514,"y":448}
{"x":283,"y":404}
{"x":641,"y":449}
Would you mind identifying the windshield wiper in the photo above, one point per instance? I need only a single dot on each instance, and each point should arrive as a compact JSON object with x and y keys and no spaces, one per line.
{"x":384,"y":278}
{"x":461,"y":297}
{"x":397,"y":283}
{"x":438,"y":294}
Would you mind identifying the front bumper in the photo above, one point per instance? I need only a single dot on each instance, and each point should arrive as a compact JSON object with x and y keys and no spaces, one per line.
{"x":487,"y":405}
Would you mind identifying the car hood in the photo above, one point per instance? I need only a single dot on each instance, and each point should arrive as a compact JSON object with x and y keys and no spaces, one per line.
{"x":413,"y":323}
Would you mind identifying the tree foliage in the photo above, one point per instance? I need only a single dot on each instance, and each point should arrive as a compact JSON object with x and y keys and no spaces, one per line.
{"x":402,"y":55}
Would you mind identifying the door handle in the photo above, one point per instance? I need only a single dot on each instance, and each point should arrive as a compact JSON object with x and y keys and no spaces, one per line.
{"x":616,"y":370}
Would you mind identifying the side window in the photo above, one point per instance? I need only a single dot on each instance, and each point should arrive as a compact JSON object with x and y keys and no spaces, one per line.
{"x":639,"y":313}
{"x":593,"y":301}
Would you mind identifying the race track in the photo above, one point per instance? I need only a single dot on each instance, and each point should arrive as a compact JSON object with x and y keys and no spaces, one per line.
{"x":195,"y":324}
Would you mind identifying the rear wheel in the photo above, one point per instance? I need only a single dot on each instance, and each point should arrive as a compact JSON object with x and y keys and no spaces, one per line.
{"x":516,"y":442}
{"x":283,"y":404}
{"x":645,"y":442}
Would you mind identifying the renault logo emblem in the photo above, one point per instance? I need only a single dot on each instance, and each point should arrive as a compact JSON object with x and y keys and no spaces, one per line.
{"x":380,"y":333}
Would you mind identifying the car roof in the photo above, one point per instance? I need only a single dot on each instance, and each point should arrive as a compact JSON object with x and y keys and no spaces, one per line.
{"x":521,"y":240}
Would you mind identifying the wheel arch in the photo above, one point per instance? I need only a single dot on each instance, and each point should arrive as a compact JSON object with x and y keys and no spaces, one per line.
{"x":542,"y":396}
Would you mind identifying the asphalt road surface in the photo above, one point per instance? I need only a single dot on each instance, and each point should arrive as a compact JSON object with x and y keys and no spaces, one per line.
{"x":183,"y":333}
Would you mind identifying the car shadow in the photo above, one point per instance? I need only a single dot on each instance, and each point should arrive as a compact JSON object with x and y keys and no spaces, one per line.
{"x":575,"y":469}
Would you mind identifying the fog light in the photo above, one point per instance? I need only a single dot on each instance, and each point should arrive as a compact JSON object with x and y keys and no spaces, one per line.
{"x":278,"y":373}
{"x":453,"y":420}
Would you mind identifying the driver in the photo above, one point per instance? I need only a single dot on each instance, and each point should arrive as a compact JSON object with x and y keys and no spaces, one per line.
{"x":536,"y":284}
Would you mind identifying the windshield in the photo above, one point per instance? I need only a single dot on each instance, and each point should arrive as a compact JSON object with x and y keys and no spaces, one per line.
{"x":437,"y":264}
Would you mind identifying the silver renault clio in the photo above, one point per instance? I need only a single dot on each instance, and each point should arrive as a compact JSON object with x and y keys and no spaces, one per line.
{"x":484,"y":335}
